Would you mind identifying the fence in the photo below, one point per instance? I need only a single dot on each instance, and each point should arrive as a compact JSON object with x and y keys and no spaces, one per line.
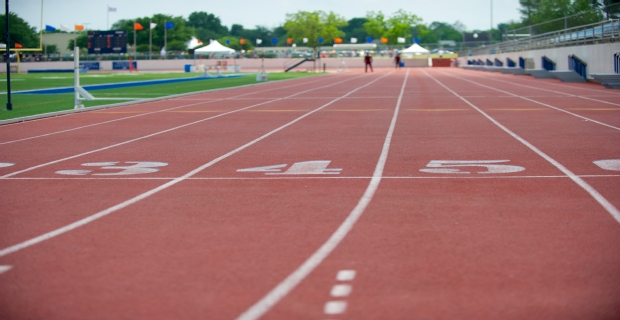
{"x":548,"y":64}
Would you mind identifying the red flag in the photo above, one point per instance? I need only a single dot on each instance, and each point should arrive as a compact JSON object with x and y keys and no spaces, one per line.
{"x":17,"y":45}
{"x":289,"y":41}
{"x":137,"y":26}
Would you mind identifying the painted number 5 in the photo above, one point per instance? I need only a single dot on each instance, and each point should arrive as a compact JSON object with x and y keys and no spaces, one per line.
{"x":450,"y":166}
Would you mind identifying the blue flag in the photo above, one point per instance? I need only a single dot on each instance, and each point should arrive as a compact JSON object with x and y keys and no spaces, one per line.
{"x":369,"y":39}
{"x":227,"y":41}
{"x":321,"y":40}
{"x":169,"y":25}
{"x":416,"y":40}
{"x":274,"y":40}
{"x":49,"y":28}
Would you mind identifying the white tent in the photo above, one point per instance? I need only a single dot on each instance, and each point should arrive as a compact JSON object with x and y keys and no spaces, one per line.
{"x":415,"y":49}
{"x":214,"y":47}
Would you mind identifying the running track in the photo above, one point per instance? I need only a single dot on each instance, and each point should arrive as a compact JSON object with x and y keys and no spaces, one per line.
{"x":320,"y":198}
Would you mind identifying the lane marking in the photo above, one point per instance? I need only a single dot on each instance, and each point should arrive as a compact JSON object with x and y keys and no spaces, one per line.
{"x":549,"y":90}
{"x":6,"y":164}
{"x":4,"y":269}
{"x":436,"y":110}
{"x":610,"y":164}
{"x":277,"y":110}
{"x":517,"y":109}
{"x":143,"y":114}
{"x":335,"y":307}
{"x":195,"y":111}
{"x":319,"y":177}
{"x":611,"y":209}
{"x":492,"y":166}
{"x":524,"y":98}
{"x":163,"y":131}
{"x":306,"y":167}
{"x":103,"y":213}
{"x":595,"y":109}
{"x":341,"y":290}
{"x":284,"y":287}
{"x":345,"y":275}
{"x":134,"y":167}
{"x":355,"y":110}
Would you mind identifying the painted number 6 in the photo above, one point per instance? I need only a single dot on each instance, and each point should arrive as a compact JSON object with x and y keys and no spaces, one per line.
{"x":449,"y":166}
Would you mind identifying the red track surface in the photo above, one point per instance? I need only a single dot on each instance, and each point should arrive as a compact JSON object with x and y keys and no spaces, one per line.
{"x":199,"y":239}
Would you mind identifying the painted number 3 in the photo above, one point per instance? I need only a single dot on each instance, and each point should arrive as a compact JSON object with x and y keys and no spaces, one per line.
{"x":114,"y":169}
{"x":453,"y":166}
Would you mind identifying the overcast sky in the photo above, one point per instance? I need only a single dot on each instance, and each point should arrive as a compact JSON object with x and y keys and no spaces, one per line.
{"x":475,"y":14}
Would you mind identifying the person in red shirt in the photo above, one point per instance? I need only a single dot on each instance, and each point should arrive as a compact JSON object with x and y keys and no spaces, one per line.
{"x":368,"y":62}
{"x":397,"y":60}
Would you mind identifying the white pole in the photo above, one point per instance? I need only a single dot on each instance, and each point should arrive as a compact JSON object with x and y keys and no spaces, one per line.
{"x":135,"y":49}
{"x":150,"y":39}
{"x":108,"y":19}
{"x":491,"y":32}
{"x":76,"y":76}
{"x":165,"y":38}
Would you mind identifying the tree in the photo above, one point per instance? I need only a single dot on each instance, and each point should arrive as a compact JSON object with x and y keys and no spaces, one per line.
{"x":528,"y":9}
{"x":180,"y":33}
{"x":581,"y":12}
{"x":207,"y":26}
{"x":396,"y":26}
{"x":235,"y":43}
{"x":20,"y":32}
{"x":314,"y":25}
{"x":355,"y":29}
{"x":82,"y":42}
{"x":50,"y":48}
{"x":236,"y":30}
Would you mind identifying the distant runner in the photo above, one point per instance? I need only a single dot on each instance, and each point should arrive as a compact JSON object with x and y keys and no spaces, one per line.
{"x":368,"y":62}
{"x":397,"y":61}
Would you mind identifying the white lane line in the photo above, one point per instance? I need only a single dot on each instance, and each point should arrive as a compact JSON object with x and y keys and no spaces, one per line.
{"x":284,"y":287}
{"x":319,"y":177}
{"x":161,"y":132}
{"x":144,"y":114}
{"x":335,"y":307}
{"x":341,"y":290}
{"x":4,"y":269}
{"x":164,"y":186}
{"x":549,"y":90}
{"x":345,"y":275}
{"x":528,"y":99}
{"x":613,"y":211}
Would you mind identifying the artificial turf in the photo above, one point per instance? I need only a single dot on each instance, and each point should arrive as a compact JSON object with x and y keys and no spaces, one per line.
{"x":32,"y":104}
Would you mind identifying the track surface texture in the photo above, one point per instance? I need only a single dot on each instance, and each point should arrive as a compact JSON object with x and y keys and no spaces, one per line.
{"x":409,"y":194}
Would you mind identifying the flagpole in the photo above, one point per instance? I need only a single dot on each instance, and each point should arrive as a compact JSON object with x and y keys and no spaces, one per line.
{"x":150,"y":38}
{"x":108,"y":19}
{"x":135,"y":49}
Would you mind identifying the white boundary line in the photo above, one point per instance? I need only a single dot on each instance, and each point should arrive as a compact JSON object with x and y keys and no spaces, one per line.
{"x":146,"y":113}
{"x":170,"y":129}
{"x":322,"y":178}
{"x":166,"y":185}
{"x":549,"y":90}
{"x":613,"y":211}
{"x":288,"y":284}
{"x":608,"y":91}
{"x":528,"y":99}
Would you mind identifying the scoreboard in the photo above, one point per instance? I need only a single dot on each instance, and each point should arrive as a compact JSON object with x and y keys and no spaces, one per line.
{"x":114,"y":41}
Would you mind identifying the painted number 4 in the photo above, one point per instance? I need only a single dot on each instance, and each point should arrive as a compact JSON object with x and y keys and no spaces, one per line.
{"x":453,"y":166}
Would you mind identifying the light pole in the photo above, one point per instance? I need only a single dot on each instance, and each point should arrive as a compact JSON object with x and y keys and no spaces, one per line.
{"x":491,"y":32}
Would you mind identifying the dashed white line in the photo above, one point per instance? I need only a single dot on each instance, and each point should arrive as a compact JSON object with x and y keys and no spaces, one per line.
{"x":4,"y":269}
{"x":335,"y":307}
{"x":341,"y":290}
{"x":284,"y":287}
{"x":345,"y":275}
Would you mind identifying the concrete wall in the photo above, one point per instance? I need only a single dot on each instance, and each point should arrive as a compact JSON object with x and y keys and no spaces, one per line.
{"x":599,"y":57}
{"x":271,"y":64}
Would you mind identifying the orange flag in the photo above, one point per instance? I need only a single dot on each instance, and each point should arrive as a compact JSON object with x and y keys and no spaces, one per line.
{"x":289,"y":41}
{"x":17,"y":45}
{"x":338,"y":40}
{"x":384,"y":40}
{"x":242,"y":41}
{"x":137,"y":26}
{"x":79,"y":27}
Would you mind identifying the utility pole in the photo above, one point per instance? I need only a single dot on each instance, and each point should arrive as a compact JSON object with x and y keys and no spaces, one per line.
{"x":491,"y":32}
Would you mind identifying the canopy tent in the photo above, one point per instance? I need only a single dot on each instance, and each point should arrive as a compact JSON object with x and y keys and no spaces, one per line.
{"x":415,"y":49}
{"x":214,"y":47}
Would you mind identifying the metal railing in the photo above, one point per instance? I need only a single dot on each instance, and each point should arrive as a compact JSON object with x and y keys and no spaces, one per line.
{"x":600,"y":32}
